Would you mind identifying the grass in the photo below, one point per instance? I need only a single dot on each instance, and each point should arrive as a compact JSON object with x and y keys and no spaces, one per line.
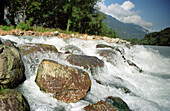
{"x":26,"y":27}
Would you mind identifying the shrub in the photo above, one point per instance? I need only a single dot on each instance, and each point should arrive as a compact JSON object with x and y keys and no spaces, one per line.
{"x":22,"y":26}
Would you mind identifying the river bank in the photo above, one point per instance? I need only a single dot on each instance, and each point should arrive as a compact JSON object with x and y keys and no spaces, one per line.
{"x":17,"y":32}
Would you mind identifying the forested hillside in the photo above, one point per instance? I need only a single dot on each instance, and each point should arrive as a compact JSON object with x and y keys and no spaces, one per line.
{"x":125,"y":30}
{"x":71,"y":15}
{"x":157,"y":38}
{"x":161,"y":38}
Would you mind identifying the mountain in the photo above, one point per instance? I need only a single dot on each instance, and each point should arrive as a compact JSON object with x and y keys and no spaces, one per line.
{"x":125,"y":30}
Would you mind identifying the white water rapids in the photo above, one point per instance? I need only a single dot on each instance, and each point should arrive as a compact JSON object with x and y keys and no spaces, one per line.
{"x":148,"y":90}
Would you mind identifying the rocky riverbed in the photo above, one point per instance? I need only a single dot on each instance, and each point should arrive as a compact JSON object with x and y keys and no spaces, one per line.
{"x":64,"y":73}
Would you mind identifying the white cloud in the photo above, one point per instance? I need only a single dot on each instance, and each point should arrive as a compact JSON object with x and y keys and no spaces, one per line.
{"x":124,"y":13}
{"x":127,"y":5}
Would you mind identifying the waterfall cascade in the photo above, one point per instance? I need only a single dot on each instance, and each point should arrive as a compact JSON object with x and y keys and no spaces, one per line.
{"x":138,"y":75}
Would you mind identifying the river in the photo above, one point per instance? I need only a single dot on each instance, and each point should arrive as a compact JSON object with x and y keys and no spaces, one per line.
{"x":147,"y":91}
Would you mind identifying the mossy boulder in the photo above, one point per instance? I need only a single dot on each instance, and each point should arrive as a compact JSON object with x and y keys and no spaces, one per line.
{"x":31,"y":48}
{"x":87,"y":62}
{"x":13,"y":100}
{"x":100,"y":106}
{"x":66,"y":83}
{"x":11,"y":67}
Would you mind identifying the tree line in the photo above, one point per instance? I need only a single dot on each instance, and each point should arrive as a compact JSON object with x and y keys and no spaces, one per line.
{"x":161,"y":38}
{"x":71,"y":15}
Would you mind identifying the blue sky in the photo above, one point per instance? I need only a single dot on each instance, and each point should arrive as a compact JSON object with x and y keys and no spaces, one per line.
{"x":150,"y":14}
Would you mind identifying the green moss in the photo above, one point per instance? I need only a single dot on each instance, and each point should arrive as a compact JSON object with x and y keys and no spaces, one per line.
{"x":2,"y":91}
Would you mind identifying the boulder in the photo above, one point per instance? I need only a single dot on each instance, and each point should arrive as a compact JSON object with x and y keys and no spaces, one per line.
{"x":66,"y":83}
{"x":11,"y":67}
{"x":117,"y":48}
{"x":72,"y":49}
{"x":103,"y":46}
{"x":12,"y":100}
{"x":110,"y":104}
{"x":109,"y":55}
{"x":118,"y":103}
{"x":31,"y":48}
{"x":134,"y":65}
{"x":100,"y":106}
{"x":9,"y":43}
{"x":85,"y":61}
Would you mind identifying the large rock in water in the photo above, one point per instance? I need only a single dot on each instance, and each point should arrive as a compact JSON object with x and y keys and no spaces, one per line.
{"x":100,"y":106}
{"x":85,"y":61}
{"x":72,"y":49}
{"x":118,"y":103}
{"x":110,"y":104}
{"x":12,"y":100}
{"x":109,"y":55}
{"x":31,"y":48}
{"x":66,"y":83}
{"x":11,"y":67}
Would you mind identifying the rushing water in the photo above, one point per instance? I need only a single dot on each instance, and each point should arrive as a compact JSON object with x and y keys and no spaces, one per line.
{"x":147,"y":91}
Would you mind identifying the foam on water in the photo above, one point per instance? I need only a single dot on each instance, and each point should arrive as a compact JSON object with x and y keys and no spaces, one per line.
{"x":145,"y":91}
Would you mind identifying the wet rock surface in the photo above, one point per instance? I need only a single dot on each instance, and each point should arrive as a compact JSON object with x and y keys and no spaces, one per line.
{"x":107,"y":54}
{"x":110,"y":104}
{"x":85,"y":61}
{"x":11,"y":67}
{"x":12,"y":100}
{"x":72,"y":49}
{"x":10,"y":44}
{"x":134,"y":65}
{"x":66,"y":83}
{"x":31,"y":48}
{"x":100,"y":106}
{"x":118,"y":103}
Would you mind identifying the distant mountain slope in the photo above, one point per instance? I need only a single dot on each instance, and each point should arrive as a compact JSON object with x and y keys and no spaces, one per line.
{"x":125,"y":30}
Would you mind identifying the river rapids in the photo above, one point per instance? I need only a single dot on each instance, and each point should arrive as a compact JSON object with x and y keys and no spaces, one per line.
{"x":148,"y":90}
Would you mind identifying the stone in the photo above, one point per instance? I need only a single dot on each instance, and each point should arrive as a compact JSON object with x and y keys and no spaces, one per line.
{"x":66,"y":83}
{"x":9,"y":44}
{"x":134,"y":65}
{"x":31,"y":32}
{"x":13,"y":100}
{"x":117,"y":48}
{"x":100,"y":106}
{"x":110,"y":104}
{"x":11,"y":67}
{"x":56,"y":33}
{"x":18,"y":33}
{"x":118,"y":103}
{"x":31,"y":48}
{"x":72,"y":49}
{"x":85,"y":61}
{"x":103,"y":46}
{"x":0,"y":42}
{"x":107,"y":54}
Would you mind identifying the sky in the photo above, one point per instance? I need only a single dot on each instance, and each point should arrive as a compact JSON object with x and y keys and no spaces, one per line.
{"x":153,"y":15}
